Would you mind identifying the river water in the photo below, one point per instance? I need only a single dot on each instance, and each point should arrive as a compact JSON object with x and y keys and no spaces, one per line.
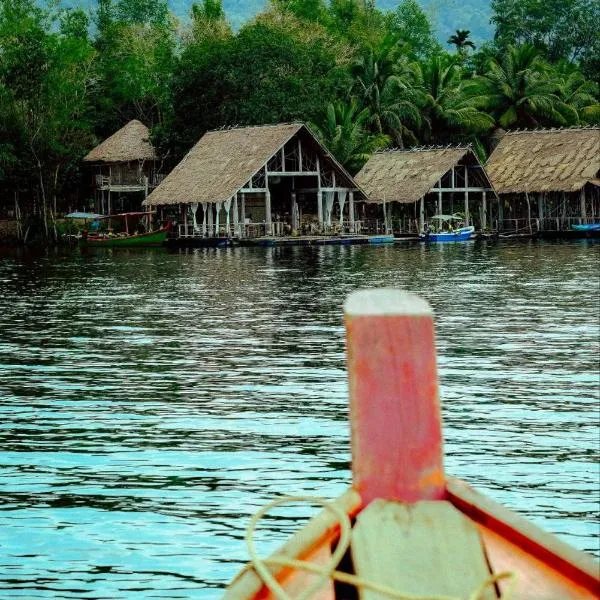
{"x":151,"y":402}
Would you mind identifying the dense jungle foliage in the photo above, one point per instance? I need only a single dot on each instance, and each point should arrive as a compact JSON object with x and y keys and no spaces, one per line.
{"x":363,"y":77}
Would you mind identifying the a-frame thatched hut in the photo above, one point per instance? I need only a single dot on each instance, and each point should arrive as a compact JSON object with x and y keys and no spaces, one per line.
{"x":266,"y":180}
{"x":414,"y":185}
{"x":124,"y":167}
{"x":547,"y":179}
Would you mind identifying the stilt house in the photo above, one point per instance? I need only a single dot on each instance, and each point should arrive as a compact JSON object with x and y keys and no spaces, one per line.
{"x":547,"y":179}
{"x":124,"y":168}
{"x":272,"y":180}
{"x":413,"y":185}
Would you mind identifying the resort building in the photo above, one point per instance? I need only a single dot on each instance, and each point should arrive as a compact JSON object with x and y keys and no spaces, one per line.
{"x":125,"y":169}
{"x":271,"y":180}
{"x":414,"y":185}
{"x":548,"y":179}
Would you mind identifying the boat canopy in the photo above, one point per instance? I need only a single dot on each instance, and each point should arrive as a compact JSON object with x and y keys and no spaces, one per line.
{"x":129,"y":214}
{"x":448,"y":217}
{"x":83,"y":215}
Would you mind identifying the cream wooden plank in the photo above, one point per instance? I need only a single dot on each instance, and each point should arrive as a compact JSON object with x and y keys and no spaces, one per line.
{"x":421,"y":549}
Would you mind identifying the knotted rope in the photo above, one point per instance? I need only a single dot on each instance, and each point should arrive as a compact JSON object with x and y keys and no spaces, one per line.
{"x":329,"y":571}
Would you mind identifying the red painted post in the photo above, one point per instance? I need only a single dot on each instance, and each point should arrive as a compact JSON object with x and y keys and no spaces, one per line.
{"x":394,"y":407}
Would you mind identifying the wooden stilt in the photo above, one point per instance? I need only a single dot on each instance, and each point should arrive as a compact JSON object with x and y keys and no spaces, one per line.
{"x":467,"y":215}
{"x":394,"y":406}
{"x":422,"y":215}
{"x":484,"y":213}
{"x":243,"y":216}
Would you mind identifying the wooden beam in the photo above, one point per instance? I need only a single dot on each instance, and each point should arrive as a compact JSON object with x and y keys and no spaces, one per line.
{"x":462,"y":189}
{"x":292,"y":173}
{"x":423,"y":550}
{"x":394,"y":407}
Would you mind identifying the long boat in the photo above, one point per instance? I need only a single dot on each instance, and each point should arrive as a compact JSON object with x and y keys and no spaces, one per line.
{"x":405,"y":529}
{"x":96,"y":238}
{"x":150,"y":238}
{"x":586,"y":227}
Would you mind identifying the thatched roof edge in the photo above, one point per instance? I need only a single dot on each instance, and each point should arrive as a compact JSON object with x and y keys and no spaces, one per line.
{"x":130,"y":143}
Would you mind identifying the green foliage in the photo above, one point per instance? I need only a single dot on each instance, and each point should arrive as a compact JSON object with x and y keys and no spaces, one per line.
{"x":344,"y":132}
{"x":451,"y":113}
{"x":561,"y":29}
{"x":411,"y":26}
{"x":521,"y":91}
{"x":274,"y":70}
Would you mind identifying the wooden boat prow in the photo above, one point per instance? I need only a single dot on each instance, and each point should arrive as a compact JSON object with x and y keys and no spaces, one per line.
{"x":416,"y":532}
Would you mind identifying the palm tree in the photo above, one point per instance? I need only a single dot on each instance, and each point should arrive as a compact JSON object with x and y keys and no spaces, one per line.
{"x":520,"y":91}
{"x":461,"y":40}
{"x":576,"y":91}
{"x":385,"y":84}
{"x":450,"y":112}
{"x":343,"y":132}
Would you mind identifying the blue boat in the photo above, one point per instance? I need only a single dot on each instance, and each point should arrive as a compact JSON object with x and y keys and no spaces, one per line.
{"x":587,"y":227}
{"x":445,"y":231}
{"x":381,"y":239}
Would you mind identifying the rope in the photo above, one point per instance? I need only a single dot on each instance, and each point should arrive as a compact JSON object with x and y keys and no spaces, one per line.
{"x":329,"y":571}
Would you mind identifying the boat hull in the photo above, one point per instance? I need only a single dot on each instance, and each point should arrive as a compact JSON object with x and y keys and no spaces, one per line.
{"x":150,"y":239}
{"x":588,"y":227}
{"x":544,"y":566}
{"x":460,"y":235}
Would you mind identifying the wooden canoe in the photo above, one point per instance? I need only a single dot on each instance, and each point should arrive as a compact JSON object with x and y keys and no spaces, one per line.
{"x":151,"y":238}
{"x":416,"y":532}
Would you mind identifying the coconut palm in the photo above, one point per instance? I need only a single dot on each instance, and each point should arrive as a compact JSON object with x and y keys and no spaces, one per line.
{"x":449,"y":110}
{"x":385,"y":84}
{"x":461,"y":40}
{"x":520,"y":91}
{"x":576,"y":91}
{"x":343,"y":131}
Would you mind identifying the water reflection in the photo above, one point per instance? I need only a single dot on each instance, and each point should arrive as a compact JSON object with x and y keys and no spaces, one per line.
{"x":152,"y":401}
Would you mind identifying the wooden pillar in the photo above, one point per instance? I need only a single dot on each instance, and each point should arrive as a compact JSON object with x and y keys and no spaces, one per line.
{"x":583,"y":207}
{"x":467,"y":216}
{"x":268,"y":218}
{"x":319,"y":196}
{"x":500,"y":213}
{"x":564,"y":211}
{"x":484,"y":216}
{"x":243,"y":216}
{"x":351,"y":210}
{"x":394,"y":403}
{"x":422,"y":215}
{"x":440,"y":197}
{"x":236,"y":223}
{"x":109,"y":186}
{"x":541,"y":215}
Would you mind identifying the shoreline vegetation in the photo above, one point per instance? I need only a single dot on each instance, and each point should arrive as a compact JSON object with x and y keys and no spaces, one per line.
{"x":363,"y":78}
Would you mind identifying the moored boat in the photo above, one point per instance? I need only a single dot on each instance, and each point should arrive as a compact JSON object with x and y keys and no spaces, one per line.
{"x":447,"y":228}
{"x":405,"y":529}
{"x":97,"y":237}
{"x":586,"y":227}
{"x":150,"y":238}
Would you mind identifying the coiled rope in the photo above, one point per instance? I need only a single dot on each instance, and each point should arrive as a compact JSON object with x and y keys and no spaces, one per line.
{"x":329,"y":571}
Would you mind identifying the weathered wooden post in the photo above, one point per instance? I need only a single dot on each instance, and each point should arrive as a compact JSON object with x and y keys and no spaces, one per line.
{"x":394,"y":405}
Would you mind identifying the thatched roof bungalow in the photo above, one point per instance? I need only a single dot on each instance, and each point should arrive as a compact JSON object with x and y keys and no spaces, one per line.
{"x":123,"y":163}
{"x":430,"y":181}
{"x":548,"y":179}
{"x":273,"y":178}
